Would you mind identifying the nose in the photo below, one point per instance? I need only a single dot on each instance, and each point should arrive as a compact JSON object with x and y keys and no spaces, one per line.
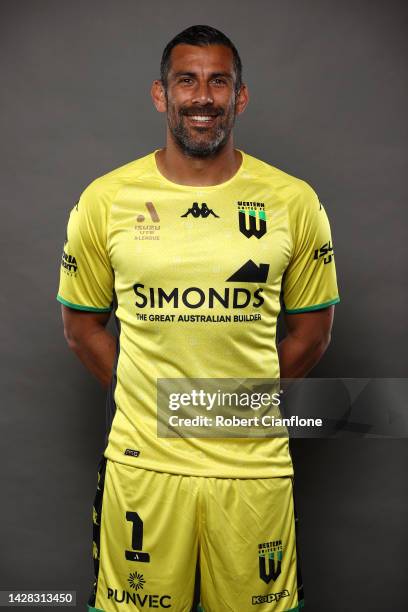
{"x":202,"y":93}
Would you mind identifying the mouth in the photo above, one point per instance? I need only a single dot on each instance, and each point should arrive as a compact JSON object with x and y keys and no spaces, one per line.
{"x":201,"y":120}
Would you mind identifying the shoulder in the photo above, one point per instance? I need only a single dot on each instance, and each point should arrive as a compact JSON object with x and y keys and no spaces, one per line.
{"x":294,"y":192}
{"x":102,"y":190}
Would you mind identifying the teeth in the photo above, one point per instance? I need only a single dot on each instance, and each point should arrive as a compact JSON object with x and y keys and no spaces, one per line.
{"x":201,"y":118}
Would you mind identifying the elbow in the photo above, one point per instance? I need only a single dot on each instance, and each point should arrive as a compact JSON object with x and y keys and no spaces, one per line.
{"x":70,"y":339}
{"x":322,"y":343}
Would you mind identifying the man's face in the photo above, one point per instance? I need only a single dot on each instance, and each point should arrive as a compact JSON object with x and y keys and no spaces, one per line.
{"x":201,"y":99}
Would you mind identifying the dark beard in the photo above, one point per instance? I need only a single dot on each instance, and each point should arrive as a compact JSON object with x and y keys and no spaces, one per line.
{"x":201,"y":149}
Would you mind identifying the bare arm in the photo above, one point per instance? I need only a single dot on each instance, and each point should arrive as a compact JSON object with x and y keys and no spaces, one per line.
{"x":86,"y":335}
{"x":308,"y":336}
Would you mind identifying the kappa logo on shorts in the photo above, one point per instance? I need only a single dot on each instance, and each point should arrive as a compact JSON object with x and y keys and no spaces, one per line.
{"x":272,"y":551}
{"x":260,"y":599}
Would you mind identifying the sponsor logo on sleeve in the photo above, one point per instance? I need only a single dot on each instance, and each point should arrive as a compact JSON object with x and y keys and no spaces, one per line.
{"x":325,"y":252}
{"x":69,"y":263}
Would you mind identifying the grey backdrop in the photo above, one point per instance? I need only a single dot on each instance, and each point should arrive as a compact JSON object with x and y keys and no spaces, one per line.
{"x":328,"y":104}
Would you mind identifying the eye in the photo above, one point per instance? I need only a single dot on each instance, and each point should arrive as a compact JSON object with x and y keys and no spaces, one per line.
{"x":219,"y":81}
{"x":186,"y":80}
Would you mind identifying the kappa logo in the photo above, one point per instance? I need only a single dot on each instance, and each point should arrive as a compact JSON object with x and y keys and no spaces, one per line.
{"x":260,"y":599}
{"x":196,"y":211}
{"x":269,"y":552}
{"x":252,"y":219}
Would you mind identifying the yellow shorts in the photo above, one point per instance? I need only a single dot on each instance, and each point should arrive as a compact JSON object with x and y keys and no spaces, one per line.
{"x":151,"y":529}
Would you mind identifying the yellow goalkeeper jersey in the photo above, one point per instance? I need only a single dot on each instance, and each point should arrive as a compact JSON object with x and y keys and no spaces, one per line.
{"x":195,"y":277}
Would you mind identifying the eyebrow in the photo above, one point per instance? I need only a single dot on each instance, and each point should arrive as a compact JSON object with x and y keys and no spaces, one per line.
{"x":213,"y":75}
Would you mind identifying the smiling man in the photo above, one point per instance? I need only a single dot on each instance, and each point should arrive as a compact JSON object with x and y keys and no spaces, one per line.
{"x":194,"y":248}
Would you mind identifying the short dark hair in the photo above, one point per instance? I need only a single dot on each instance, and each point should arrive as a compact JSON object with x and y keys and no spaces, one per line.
{"x":200,"y":36}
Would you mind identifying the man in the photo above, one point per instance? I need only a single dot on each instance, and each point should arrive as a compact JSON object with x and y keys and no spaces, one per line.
{"x":192,"y":247}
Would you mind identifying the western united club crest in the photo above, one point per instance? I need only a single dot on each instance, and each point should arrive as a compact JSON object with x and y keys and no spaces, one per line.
{"x":252,"y":219}
{"x":270,"y":560}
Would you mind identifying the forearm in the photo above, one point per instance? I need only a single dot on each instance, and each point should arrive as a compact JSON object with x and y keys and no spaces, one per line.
{"x":96,"y":350}
{"x":297,"y":355}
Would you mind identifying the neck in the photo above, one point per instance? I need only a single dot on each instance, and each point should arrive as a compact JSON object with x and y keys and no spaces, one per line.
{"x":180,"y":168}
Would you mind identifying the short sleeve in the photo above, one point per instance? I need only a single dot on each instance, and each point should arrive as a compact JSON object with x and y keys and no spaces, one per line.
{"x":86,"y":276}
{"x":310,"y":282}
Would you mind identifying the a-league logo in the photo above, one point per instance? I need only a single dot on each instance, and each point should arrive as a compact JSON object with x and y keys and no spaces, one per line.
{"x":252,"y":219}
{"x":270,"y":560}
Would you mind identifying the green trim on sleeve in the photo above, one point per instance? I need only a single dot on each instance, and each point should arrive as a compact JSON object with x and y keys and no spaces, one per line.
{"x":300,"y":606}
{"x":91,"y":609}
{"x":79,"y":307}
{"x":315,"y":307}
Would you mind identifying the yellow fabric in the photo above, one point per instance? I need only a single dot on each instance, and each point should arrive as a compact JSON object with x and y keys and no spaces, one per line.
{"x":175,"y":518}
{"x":134,"y":235}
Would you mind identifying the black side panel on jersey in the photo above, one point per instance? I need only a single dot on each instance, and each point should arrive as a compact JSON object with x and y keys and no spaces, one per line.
{"x":110,"y":399}
{"x":96,"y":519}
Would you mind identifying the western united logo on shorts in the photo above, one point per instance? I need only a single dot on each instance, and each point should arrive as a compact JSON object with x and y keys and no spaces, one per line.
{"x":252,"y":219}
{"x":270,"y":560}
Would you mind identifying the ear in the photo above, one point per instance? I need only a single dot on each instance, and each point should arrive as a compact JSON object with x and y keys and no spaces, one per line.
{"x":158,"y":96}
{"x":242,"y":99}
